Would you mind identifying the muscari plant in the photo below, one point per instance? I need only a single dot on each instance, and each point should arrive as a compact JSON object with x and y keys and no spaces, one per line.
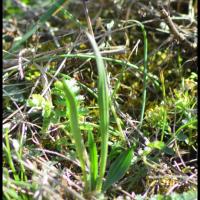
{"x":93,"y":166}
{"x":94,"y":178}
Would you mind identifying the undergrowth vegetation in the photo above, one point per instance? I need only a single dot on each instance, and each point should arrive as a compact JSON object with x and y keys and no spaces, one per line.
{"x":99,"y":100}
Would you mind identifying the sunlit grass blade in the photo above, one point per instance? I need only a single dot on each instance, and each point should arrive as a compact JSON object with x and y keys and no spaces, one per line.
{"x":93,"y":160}
{"x":144,"y":95}
{"x":103,"y":101}
{"x":8,"y":152}
{"x":73,"y":118}
{"x":118,"y":168}
{"x":162,"y":79}
{"x":145,"y":72}
{"x":86,"y":56}
{"x":10,"y":193}
{"x":118,"y":121}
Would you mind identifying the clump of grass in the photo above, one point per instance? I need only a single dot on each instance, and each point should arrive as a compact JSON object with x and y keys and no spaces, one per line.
{"x":103,"y":102}
{"x":168,"y":126}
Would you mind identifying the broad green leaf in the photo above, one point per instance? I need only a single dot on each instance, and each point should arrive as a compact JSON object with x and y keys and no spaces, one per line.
{"x":37,"y":100}
{"x":161,"y":146}
{"x":75,"y":129}
{"x":157,"y":145}
{"x":103,"y":102}
{"x":14,"y":92}
{"x":181,"y":136}
{"x":118,"y":168}
{"x":168,"y":150}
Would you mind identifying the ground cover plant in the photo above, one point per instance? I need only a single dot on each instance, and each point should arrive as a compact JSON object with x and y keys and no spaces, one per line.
{"x":99,"y":99}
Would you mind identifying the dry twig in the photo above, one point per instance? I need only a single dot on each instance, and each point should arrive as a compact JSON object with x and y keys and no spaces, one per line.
{"x":179,"y":36}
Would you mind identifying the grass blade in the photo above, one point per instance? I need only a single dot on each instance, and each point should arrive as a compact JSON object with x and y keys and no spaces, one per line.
{"x":145,"y":72}
{"x":73,"y":118}
{"x":118,"y":168}
{"x":93,"y":160}
{"x":8,"y":152}
{"x":103,"y":101}
{"x":144,"y":95}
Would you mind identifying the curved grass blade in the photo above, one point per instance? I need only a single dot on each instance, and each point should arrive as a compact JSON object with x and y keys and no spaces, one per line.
{"x":145,"y":72}
{"x":85,"y":56}
{"x":118,"y":168}
{"x":73,"y":118}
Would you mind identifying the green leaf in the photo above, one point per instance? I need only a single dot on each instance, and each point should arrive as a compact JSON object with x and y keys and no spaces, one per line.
{"x":181,"y":136}
{"x":139,"y":197}
{"x":189,"y":195}
{"x":47,"y":109}
{"x":14,"y":92}
{"x":157,"y":145}
{"x":93,"y":160}
{"x":12,"y":193}
{"x":103,"y":102}
{"x":161,"y":146}
{"x":118,"y":168}
{"x":37,"y":100}
{"x":75,"y":129}
{"x":168,"y":150}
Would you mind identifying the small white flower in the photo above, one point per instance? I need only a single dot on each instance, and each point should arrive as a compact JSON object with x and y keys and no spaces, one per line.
{"x":134,"y":159}
{"x":72,"y":84}
{"x":162,"y":103}
{"x":15,"y":144}
{"x":146,"y":141}
{"x":140,"y":152}
{"x":147,"y":149}
{"x":80,"y":97}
